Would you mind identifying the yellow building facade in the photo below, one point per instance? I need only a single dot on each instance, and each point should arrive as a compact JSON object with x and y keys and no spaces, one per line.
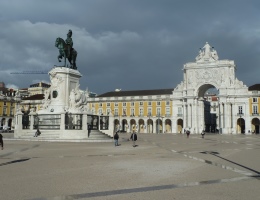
{"x":8,"y":105}
{"x":143,"y":111}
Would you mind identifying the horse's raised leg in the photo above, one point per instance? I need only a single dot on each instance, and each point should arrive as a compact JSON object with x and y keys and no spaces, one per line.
{"x":59,"y":58}
{"x":65,"y":57}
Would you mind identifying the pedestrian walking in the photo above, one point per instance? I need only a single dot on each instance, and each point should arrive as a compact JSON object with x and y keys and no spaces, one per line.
{"x":188,"y":133}
{"x":133,"y":138}
{"x":203,"y":133}
{"x":37,"y":133}
{"x":1,"y":141}
{"x":116,"y":137}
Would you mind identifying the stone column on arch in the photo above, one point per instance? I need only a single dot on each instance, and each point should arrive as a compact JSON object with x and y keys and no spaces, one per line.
{"x":234,"y":124}
{"x":196,"y":113}
{"x":190,"y":118}
{"x":247,"y":119}
{"x":185,"y":116}
{"x":227,"y":117}
{"x":202,"y":123}
{"x":154,"y":126}
{"x":221,"y":116}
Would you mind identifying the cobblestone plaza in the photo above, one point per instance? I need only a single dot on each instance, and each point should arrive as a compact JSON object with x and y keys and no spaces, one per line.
{"x":165,"y":166}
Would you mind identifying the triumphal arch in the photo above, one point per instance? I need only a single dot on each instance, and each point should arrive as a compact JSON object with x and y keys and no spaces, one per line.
{"x":190,"y":107}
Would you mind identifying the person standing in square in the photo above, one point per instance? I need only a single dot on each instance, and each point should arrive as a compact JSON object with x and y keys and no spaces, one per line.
{"x":116,"y":137}
{"x":1,"y":141}
{"x":133,"y":138}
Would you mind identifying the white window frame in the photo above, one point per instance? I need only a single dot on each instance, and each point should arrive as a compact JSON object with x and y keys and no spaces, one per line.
{"x":108,"y":111}
{"x":141,"y":111}
{"x":124,"y":111}
{"x":167,"y":110}
{"x":100,"y":111}
{"x":158,"y":111}
{"x":255,"y":109}
{"x":240,"y":110}
{"x":179,"y":110}
{"x":132,"y":112}
{"x":149,"y":111}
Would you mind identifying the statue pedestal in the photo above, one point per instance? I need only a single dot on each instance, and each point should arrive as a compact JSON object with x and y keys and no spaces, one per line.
{"x":63,"y":81}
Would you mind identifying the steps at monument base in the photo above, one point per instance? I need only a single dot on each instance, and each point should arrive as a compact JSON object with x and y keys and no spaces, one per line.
{"x":98,"y":135}
{"x":95,"y":136}
{"x":30,"y":135}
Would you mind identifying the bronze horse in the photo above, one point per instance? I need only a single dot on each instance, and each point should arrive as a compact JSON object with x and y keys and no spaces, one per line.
{"x":64,"y":52}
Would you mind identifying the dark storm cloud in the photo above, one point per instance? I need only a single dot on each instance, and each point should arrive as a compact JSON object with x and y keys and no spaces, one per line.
{"x":127,"y":44}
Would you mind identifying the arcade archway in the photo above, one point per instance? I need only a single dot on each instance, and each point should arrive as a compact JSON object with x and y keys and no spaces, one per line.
{"x":149,"y":126}
{"x":141,"y":125}
{"x":255,"y":125}
{"x":168,"y":126}
{"x":241,"y":125}
{"x":179,"y":125}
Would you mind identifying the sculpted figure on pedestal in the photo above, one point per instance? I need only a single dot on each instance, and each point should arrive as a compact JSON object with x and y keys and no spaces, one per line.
{"x":66,"y":50}
{"x":207,"y":53}
{"x":78,"y":100}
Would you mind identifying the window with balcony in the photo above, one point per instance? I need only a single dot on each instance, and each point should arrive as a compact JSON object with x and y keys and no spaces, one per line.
{"x":132,"y":112}
{"x":179,"y":112}
{"x":255,"y":109}
{"x":116,"y":112}
{"x":167,"y":111}
{"x":100,"y":111}
{"x":240,"y":109}
{"x":108,"y":111}
{"x":149,"y":112}
{"x":124,"y":112}
{"x":158,"y":111}
{"x":4,"y":111}
{"x":141,"y":112}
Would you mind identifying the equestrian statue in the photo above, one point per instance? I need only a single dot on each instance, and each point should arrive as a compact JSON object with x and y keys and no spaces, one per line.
{"x":66,"y":50}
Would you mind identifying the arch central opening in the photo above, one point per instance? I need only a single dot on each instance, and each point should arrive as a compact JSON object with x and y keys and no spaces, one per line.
{"x":208,"y":94}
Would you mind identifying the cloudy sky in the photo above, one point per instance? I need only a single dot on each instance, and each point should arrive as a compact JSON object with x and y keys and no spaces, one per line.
{"x":127,"y":44}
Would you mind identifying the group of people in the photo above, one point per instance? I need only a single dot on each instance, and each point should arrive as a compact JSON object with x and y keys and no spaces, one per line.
{"x":133,"y":138}
{"x":188,"y":133}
